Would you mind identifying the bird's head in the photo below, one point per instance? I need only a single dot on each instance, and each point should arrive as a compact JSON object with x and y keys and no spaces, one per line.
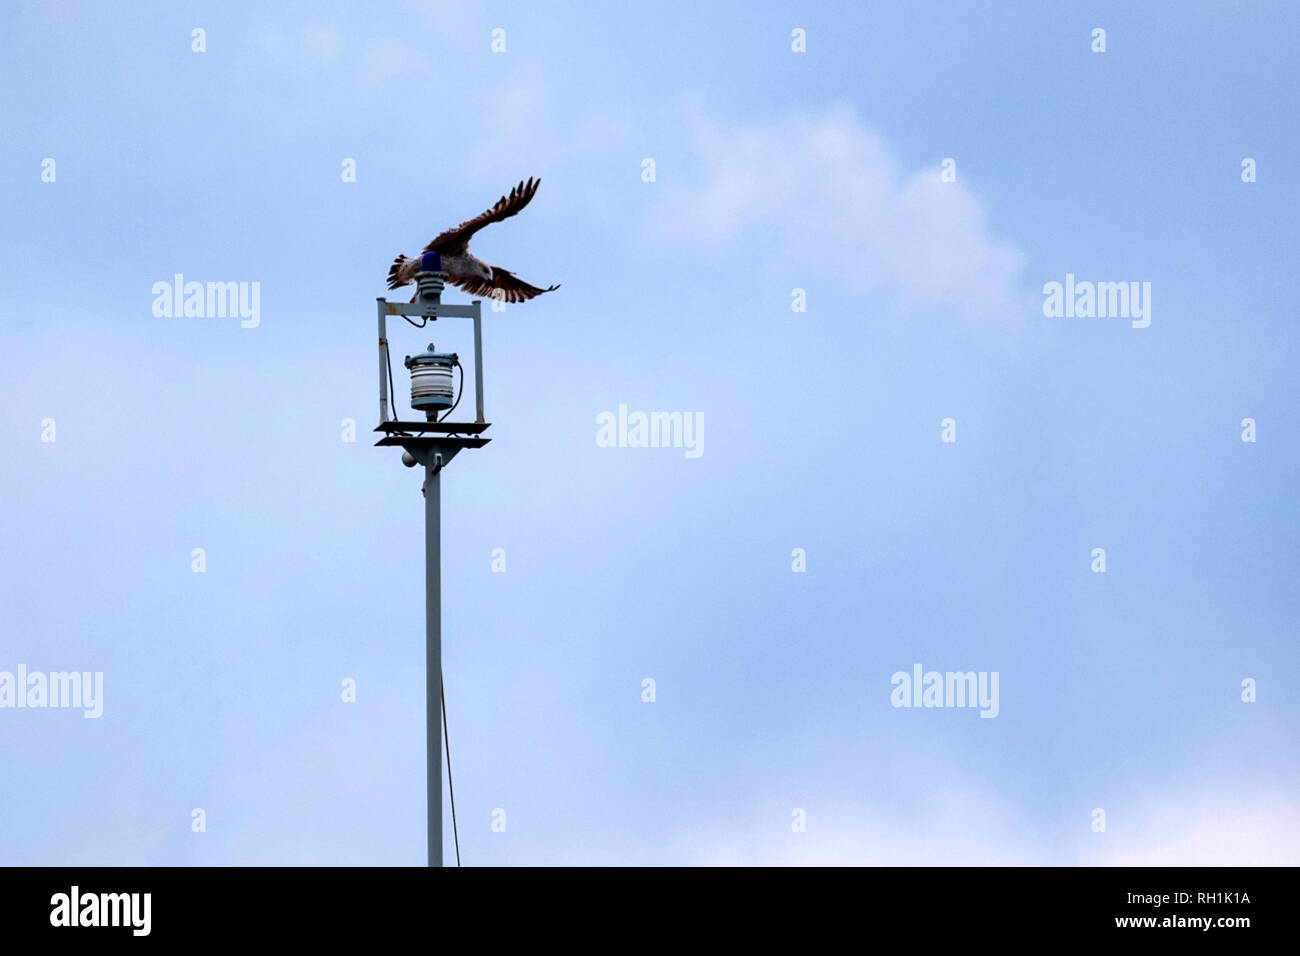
{"x":484,"y":270}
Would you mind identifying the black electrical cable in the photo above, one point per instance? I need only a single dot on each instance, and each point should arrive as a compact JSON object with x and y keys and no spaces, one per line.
{"x":392,"y":389}
{"x":459,"y":393}
{"x":451,"y":787}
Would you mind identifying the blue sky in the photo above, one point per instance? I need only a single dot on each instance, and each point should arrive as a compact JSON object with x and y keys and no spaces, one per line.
{"x":774,"y":171}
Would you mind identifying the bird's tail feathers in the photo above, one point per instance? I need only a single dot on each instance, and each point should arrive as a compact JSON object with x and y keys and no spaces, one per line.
{"x":393,"y":280}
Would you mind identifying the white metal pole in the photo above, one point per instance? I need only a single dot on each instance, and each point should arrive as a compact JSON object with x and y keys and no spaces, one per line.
{"x":383,"y":362}
{"x":433,"y":652}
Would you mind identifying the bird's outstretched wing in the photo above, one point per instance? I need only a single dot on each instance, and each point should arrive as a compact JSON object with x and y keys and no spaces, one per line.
{"x":505,"y":286}
{"x":454,"y":241}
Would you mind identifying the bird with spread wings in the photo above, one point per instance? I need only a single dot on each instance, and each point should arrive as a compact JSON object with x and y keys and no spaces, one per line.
{"x":468,"y":271}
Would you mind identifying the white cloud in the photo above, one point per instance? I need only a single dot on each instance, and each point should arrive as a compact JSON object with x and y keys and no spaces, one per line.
{"x":946,"y":825}
{"x":867,"y":846}
{"x":959,"y":828}
{"x":825,"y":196}
{"x":1230,"y":830}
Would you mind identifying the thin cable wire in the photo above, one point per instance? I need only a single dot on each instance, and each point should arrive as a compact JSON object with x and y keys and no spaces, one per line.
{"x":447,"y":413}
{"x":392,"y":389}
{"x":455,"y":831}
